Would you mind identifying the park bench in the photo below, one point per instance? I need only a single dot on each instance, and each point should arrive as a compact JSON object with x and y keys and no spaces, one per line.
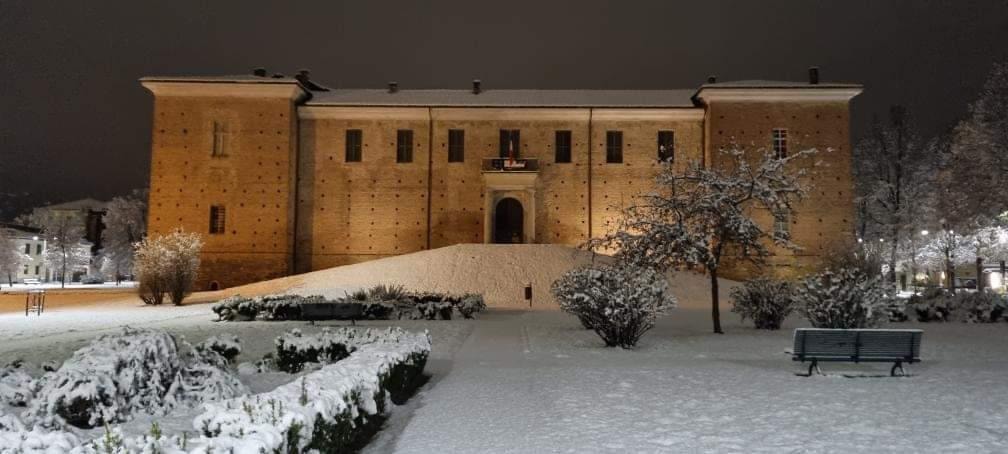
{"x":31,"y":281}
{"x":897,"y":346}
{"x":331,"y":311}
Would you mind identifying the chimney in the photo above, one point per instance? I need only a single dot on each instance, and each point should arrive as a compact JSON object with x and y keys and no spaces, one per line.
{"x":278,"y":76}
{"x":393,"y":87}
{"x":813,"y":75}
{"x":476,"y":86}
{"x":711,"y":79}
{"x":259,"y":72}
{"x":302,"y":76}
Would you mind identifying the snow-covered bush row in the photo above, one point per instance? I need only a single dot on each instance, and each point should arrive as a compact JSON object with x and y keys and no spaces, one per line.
{"x":378,"y":303}
{"x":295,"y":349}
{"x":937,"y":306}
{"x":335,"y":409}
{"x":848,"y":298}
{"x":767,"y":302}
{"x":137,"y":370}
{"x":269,"y":307}
{"x":620,"y":302}
{"x":16,"y":386}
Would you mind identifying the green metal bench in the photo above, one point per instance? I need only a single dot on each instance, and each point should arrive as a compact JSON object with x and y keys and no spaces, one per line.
{"x":898,"y":346}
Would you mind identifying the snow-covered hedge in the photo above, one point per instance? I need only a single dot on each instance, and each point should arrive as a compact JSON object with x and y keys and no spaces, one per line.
{"x":767,"y":302}
{"x":937,"y":306}
{"x":847,"y":298}
{"x":226,"y":345}
{"x":16,"y":386}
{"x":378,"y":303}
{"x":335,"y":409}
{"x":137,"y":370}
{"x":619,"y":302}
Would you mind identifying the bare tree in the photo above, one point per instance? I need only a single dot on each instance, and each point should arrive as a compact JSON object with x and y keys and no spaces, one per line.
{"x":125,"y":224}
{"x":697,"y":217}
{"x":11,"y":257}
{"x":65,"y":249}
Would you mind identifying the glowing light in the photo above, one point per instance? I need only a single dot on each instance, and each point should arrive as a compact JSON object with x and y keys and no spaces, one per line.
{"x":859,"y":240}
{"x":881,"y":240}
{"x":924,"y":232}
{"x":35,"y":238}
{"x":995,"y":280}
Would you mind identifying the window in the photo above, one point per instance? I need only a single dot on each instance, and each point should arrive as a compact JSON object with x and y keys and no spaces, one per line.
{"x":221,"y":139}
{"x":404,"y":145}
{"x":666,"y":146}
{"x":614,"y":147}
{"x":25,"y":270}
{"x":782,"y":225}
{"x":354,"y":137}
{"x":38,"y":249}
{"x":216,"y":219}
{"x":510,"y":143}
{"x":563,"y":146}
{"x":456,"y":145}
{"x":36,"y":270}
{"x":27,"y":248}
{"x":780,"y":143}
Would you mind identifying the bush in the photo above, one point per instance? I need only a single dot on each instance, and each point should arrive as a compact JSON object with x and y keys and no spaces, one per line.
{"x":137,"y":370}
{"x":987,"y":307}
{"x":16,"y":386}
{"x":620,"y":303}
{"x":294,"y":350}
{"x":767,"y":302}
{"x":167,"y":265}
{"x":92,"y":280}
{"x":226,"y":345}
{"x":848,"y":298}
{"x":383,"y":292}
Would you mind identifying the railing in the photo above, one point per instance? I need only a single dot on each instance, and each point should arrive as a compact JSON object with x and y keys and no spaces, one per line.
{"x":510,"y":165}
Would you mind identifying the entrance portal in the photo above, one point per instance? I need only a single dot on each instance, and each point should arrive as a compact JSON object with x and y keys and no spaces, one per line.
{"x":509,"y":221}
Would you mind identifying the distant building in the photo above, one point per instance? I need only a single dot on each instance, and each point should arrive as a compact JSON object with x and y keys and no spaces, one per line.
{"x":30,"y":242}
{"x":90,"y":212}
{"x":282,"y":175}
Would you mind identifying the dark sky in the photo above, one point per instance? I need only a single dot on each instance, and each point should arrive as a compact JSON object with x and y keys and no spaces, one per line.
{"x":74,"y":122}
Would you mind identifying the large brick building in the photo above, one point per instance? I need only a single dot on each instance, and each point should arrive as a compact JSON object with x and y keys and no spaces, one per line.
{"x":282,"y":175}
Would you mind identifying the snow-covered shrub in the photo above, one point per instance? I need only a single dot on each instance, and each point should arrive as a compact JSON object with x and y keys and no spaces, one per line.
{"x":205,"y":376}
{"x":619,"y":302}
{"x":226,"y":345}
{"x":847,"y":298}
{"x":93,"y":279}
{"x":16,"y":386}
{"x":118,"y":375}
{"x":987,"y":307}
{"x":470,"y":304}
{"x":15,"y":438}
{"x":767,"y":302}
{"x":293,"y":349}
{"x":386,"y":292}
{"x":167,"y":265}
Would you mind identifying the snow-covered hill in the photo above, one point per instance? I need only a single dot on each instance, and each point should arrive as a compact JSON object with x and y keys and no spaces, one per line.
{"x":498,"y":271}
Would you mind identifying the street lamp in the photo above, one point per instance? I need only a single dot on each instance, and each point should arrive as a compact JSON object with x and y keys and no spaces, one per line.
{"x":924,"y":233}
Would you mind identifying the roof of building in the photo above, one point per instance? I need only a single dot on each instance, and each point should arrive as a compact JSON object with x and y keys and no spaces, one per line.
{"x":82,"y":204}
{"x":21,"y":228}
{"x":503,"y":98}
{"x":490,"y":97}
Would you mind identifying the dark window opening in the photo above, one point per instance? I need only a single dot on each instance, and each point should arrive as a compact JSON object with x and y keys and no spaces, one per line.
{"x":38,"y":249}
{"x":354,"y":137}
{"x":563,"y":146}
{"x":27,"y":248}
{"x":217,"y":219}
{"x":510,"y":143}
{"x":614,"y":147}
{"x":666,"y":146}
{"x":404,"y":145}
{"x":456,"y":145}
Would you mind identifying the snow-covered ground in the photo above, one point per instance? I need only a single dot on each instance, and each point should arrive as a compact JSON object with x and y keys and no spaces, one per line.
{"x":22,"y":287}
{"x":518,"y":381}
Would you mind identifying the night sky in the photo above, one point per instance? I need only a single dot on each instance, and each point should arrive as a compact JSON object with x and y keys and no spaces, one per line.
{"x":75,"y":123}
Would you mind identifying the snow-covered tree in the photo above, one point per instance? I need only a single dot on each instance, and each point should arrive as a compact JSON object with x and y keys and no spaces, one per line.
{"x":894,"y":172}
{"x":11,"y":257}
{"x":167,"y":265}
{"x":767,"y":302}
{"x":619,"y":302}
{"x":66,"y":249}
{"x":978,"y":167}
{"x":698,"y":216}
{"x":125,"y":224}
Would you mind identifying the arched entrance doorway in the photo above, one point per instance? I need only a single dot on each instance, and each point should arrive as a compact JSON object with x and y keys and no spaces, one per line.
{"x":509,"y":221}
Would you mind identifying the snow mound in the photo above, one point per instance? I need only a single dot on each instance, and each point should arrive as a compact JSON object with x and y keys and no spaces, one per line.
{"x":497,"y":271}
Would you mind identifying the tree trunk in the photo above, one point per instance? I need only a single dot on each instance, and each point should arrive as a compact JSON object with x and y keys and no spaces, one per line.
{"x":979,"y":275}
{"x":715,"y":309}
